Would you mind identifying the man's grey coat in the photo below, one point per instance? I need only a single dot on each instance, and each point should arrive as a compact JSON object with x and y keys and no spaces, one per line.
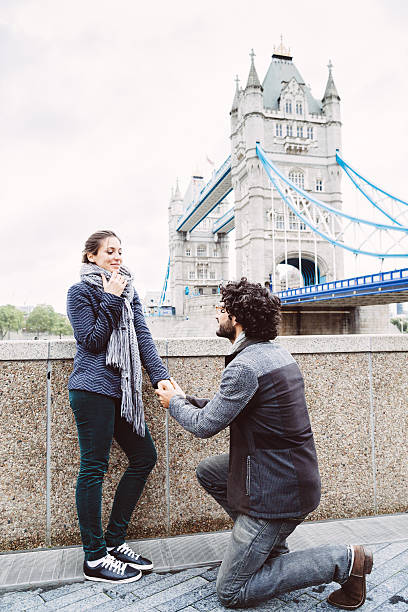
{"x":273,"y":470}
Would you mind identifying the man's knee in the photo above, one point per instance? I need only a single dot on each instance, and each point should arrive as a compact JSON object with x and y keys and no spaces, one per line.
{"x":213,"y":471}
{"x":227,"y":597}
{"x":203,"y":471}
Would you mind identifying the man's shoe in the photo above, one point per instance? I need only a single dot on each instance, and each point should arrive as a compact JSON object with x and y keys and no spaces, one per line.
{"x":111,"y":570}
{"x":125,"y":554}
{"x":352,"y":594}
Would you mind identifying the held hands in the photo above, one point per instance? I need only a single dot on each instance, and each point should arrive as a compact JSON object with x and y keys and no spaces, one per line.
{"x":167,"y":391}
{"x":115,"y":285}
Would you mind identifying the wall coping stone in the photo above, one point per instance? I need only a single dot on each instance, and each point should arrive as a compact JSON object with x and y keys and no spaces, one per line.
{"x":35,"y":350}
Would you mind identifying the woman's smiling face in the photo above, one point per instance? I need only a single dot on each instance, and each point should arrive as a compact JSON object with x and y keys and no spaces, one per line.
{"x":109,"y":255}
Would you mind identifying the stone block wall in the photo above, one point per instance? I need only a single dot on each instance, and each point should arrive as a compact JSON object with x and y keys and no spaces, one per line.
{"x":357,"y":395}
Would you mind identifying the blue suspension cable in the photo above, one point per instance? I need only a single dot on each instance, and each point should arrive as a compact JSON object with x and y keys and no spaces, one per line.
{"x":270,"y":167}
{"x":350,"y":171}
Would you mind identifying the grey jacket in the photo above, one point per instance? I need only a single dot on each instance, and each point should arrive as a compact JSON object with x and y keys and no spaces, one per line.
{"x":273,"y":464}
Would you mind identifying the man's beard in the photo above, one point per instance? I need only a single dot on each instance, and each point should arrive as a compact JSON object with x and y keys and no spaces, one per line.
{"x":226,"y":330}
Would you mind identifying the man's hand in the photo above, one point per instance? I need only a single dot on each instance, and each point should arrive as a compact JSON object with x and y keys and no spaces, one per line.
{"x":165,"y":394}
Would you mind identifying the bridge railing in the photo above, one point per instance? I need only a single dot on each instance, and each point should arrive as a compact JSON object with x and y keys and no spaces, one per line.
{"x":373,"y":281}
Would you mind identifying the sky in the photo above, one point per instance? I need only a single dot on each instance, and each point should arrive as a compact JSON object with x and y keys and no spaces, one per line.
{"x":104,"y":103}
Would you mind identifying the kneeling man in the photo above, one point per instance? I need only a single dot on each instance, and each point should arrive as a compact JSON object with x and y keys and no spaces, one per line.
{"x":269,"y":481}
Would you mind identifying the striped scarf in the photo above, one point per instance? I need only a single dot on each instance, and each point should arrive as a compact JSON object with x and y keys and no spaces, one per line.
{"x":123,"y":351}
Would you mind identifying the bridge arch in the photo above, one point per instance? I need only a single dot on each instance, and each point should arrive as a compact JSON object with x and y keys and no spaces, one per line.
{"x":308,"y":268}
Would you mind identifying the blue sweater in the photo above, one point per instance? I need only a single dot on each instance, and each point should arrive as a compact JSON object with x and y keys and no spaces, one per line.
{"x":93,"y":315}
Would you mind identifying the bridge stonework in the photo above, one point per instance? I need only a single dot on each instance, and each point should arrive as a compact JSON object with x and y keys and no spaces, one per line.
{"x":300,"y":134}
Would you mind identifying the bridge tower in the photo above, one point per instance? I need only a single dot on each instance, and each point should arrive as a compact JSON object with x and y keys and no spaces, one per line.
{"x":198,"y":260}
{"x":300,"y":134}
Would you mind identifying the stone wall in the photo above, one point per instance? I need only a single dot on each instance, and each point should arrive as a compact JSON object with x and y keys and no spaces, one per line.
{"x":356,"y":388}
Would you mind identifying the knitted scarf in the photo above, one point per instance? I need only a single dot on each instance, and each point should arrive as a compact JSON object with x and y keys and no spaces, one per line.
{"x":122,"y":351}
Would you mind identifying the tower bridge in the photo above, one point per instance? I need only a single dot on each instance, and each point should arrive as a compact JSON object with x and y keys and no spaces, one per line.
{"x":284,"y":173}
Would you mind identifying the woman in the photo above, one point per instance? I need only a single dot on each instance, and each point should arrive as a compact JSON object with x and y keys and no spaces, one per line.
{"x":105,"y":393}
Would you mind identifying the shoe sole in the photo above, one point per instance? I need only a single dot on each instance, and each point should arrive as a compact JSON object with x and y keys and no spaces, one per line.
{"x":119,"y":581}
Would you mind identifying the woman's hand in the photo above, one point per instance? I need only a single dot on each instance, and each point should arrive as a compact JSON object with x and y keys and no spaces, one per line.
{"x":164,"y":384}
{"x":177,"y":387}
{"x":115,"y":285}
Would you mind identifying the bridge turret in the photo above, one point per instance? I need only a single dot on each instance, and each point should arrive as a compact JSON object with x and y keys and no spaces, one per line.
{"x":175,"y":210}
{"x":253,"y":98}
{"x":331,"y":110}
{"x":300,"y":134}
{"x":235,"y":105}
{"x":331,"y":99}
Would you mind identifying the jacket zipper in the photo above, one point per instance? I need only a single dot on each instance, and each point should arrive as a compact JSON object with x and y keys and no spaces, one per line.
{"x":248,"y":475}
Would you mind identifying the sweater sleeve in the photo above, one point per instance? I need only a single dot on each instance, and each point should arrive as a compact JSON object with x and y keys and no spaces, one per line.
{"x":238,"y":385}
{"x":147,"y":348}
{"x":91,"y":329}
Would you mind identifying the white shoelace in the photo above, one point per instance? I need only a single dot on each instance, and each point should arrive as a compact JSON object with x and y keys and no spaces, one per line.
{"x":128,"y":551}
{"x":114,"y":565}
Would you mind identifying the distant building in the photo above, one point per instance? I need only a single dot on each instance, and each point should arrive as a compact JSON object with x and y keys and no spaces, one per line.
{"x":198,"y":261}
{"x":152,"y":306}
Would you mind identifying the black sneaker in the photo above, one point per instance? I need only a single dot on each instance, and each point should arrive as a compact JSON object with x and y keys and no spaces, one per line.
{"x":111,"y":570}
{"x":127,"y":555}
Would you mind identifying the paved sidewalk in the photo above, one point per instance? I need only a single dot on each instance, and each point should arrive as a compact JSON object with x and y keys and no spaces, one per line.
{"x":193,"y":589}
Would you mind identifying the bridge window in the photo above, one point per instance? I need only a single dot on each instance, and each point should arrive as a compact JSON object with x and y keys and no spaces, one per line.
{"x":310,"y":133}
{"x":289,"y":130}
{"x":288,"y":106}
{"x":201,"y":250}
{"x":201,"y":271}
{"x":191,"y":275}
{"x":279,"y":221}
{"x":299,"y":108}
{"x":188,"y":251}
{"x":319,"y":185}
{"x":295,"y":223}
{"x":212,"y":274}
{"x":299,"y":131}
{"x":298,"y":178}
{"x":278,"y":129}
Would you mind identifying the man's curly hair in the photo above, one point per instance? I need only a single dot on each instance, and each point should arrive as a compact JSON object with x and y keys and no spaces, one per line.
{"x":254,"y":307}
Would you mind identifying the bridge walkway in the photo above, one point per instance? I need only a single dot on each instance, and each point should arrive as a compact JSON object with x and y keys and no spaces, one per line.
{"x":52,"y":579}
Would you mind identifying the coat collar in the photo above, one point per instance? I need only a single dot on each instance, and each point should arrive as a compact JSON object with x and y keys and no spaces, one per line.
{"x":247,"y":342}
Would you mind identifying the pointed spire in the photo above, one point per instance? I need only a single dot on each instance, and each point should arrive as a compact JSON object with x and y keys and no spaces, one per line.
{"x":177,"y":194}
{"x":236,"y":97}
{"x":331,"y":91}
{"x":253,"y":80}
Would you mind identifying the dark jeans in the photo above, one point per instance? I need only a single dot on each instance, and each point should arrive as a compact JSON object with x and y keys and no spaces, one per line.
{"x":98,"y":421}
{"x":257,"y":563}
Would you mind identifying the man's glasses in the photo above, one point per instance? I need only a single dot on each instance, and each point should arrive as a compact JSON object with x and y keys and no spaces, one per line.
{"x":220,"y":309}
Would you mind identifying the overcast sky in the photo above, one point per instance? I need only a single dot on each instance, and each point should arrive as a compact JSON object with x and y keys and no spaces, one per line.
{"x":103,"y":103}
